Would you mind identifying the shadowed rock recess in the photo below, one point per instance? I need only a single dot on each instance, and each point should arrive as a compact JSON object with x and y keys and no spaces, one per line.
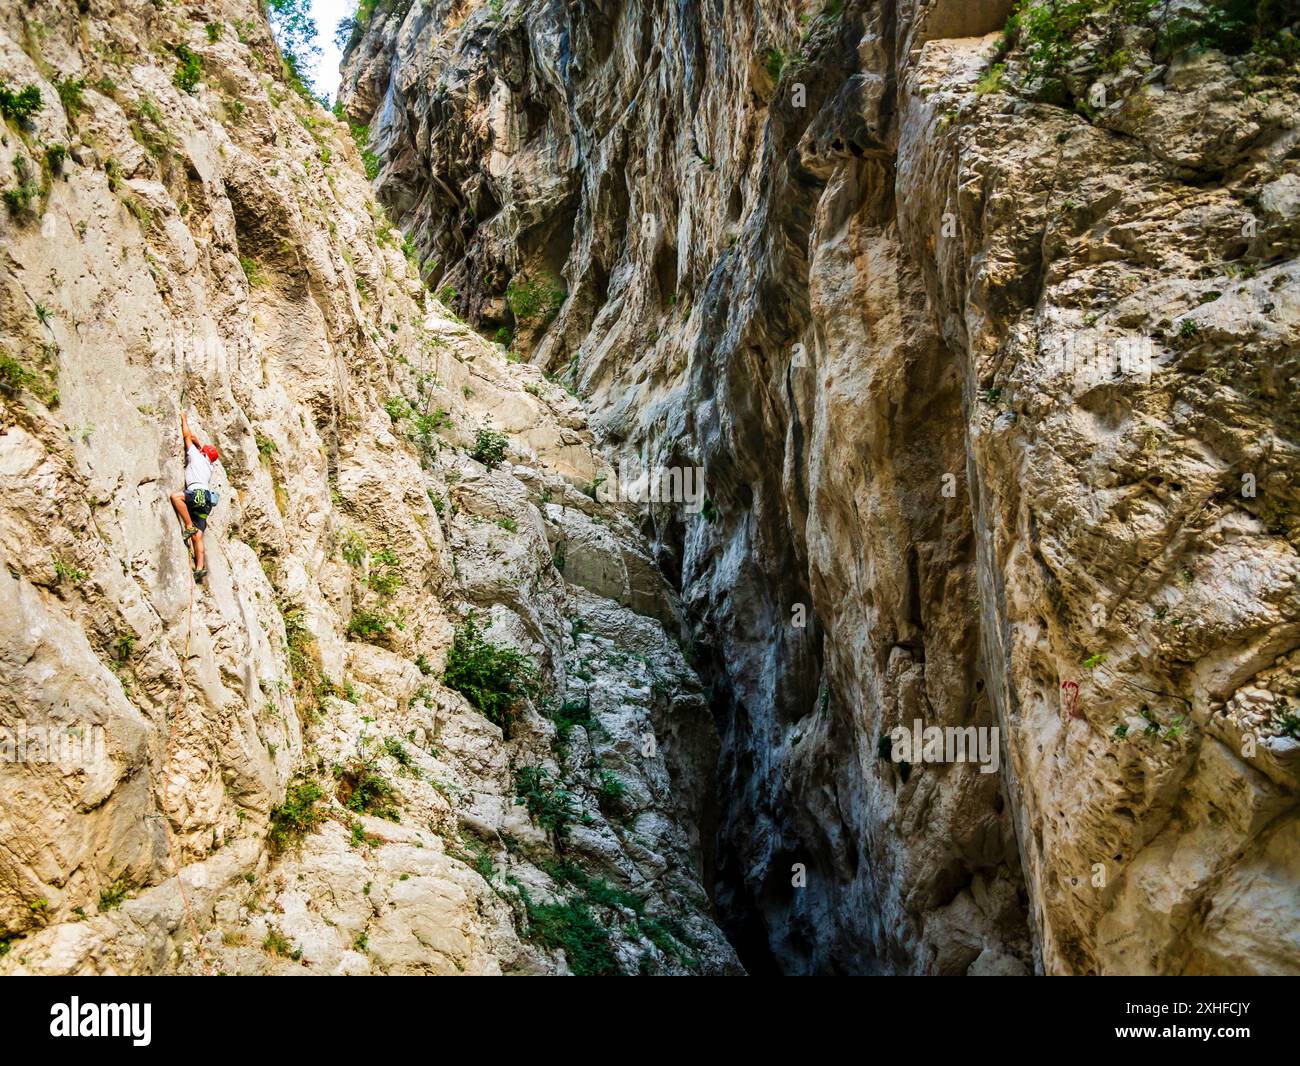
{"x":984,"y":334}
{"x":987,"y":344}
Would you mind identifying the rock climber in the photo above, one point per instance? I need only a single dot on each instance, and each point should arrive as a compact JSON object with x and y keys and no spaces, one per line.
{"x":198,"y":499}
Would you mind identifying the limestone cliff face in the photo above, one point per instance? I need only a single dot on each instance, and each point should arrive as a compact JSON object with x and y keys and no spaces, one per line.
{"x":276,"y":777}
{"x":989,"y":352}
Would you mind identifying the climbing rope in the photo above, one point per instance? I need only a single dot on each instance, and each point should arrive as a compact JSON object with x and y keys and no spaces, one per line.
{"x":167,"y":768}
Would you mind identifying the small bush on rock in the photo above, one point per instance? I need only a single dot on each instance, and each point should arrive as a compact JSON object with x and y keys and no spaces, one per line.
{"x":572,"y":928}
{"x":297,"y":816}
{"x":21,"y":105}
{"x":189,"y":69}
{"x":550,"y":806}
{"x":493,"y":678}
{"x":489,"y":447}
{"x":363,"y":790}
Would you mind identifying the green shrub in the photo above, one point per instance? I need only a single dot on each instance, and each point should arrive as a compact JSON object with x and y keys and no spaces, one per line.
{"x":1045,"y":32}
{"x":991,"y":80}
{"x":353,"y":549}
{"x":568,"y":714}
{"x":534,"y":299}
{"x":363,"y":790}
{"x":361,"y":138}
{"x":251,"y":270}
{"x":425,"y":426}
{"x":310,"y":685}
{"x":385,"y":573}
{"x":478,"y":857}
{"x":21,"y":105}
{"x":70,"y":92}
{"x":609,"y":791}
{"x":67,"y":572}
{"x":276,"y":943}
{"x":21,"y":197}
{"x":1049,"y":34}
{"x":349,"y":30}
{"x":294,"y":29}
{"x":572,"y":928}
{"x":549,"y":805}
{"x":493,"y":678}
{"x":667,"y":934}
{"x":1286,"y":720}
{"x":298,"y":815}
{"x":774,"y":62}
{"x":1232,"y":26}
{"x":111,"y":898}
{"x":14,"y":377}
{"x":367,"y":625}
{"x":395,"y":748}
{"x":489,"y":447}
{"x":189,"y":69}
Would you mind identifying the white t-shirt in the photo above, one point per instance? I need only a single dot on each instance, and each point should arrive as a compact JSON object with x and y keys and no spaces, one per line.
{"x":198,"y":471}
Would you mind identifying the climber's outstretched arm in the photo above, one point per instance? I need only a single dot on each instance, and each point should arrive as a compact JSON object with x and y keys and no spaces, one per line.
{"x":187,"y":438}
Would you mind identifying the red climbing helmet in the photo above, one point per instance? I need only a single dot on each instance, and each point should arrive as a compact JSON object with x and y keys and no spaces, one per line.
{"x":210,"y":452}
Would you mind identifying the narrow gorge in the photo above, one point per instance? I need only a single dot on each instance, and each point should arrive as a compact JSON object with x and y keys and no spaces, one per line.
{"x":962,"y":337}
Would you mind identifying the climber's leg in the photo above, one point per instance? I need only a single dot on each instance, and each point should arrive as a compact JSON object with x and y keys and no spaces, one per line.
{"x":178,"y":501}
{"x":200,"y":569}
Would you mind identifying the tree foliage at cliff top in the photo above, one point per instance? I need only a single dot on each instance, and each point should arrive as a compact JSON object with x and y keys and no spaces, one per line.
{"x":349,"y":30}
{"x":295,"y":32}
{"x":1058,"y":38}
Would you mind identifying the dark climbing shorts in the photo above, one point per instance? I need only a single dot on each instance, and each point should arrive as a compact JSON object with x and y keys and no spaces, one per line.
{"x":199,"y":508}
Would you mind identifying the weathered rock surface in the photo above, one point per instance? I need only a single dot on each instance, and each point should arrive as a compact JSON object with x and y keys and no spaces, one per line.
{"x":218,"y":247}
{"x":1001,"y":391}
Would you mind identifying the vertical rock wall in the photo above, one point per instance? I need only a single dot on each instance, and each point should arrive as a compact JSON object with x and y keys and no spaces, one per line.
{"x":857,"y":260}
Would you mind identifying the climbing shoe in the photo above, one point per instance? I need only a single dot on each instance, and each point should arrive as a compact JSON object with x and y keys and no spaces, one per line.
{"x":199,"y":575}
{"x":189,"y":533}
